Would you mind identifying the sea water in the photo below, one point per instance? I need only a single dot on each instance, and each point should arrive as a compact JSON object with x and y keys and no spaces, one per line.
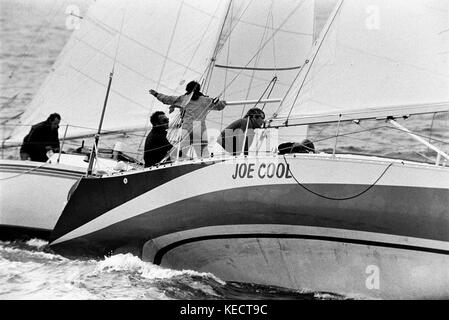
{"x":29,"y":270}
{"x":32,"y":34}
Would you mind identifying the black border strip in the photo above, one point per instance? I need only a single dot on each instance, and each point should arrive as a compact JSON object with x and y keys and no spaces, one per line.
{"x":161,"y":252}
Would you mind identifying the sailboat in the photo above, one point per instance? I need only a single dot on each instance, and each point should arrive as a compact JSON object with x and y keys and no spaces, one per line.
{"x":357,"y":225}
{"x":76,"y":88}
{"x":77,"y":85}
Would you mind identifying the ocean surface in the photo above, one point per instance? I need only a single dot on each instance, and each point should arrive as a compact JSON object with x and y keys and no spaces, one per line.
{"x":28,"y":270}
{"x":32,"y":33}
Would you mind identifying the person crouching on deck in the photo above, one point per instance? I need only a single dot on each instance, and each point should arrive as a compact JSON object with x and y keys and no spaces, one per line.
{"x":42,"y":140}
{"x":194,"y":106}
{"x":156,"y":144}
{"x":231,"y":138}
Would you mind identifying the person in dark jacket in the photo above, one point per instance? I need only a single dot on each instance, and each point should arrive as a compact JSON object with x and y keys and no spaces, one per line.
{"x":156,"y":144}
{"x":42,"y":138}
{"x":231,"y":138}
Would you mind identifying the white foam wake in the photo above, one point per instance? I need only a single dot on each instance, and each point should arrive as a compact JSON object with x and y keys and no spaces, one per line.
{"x":37,"y":243}
{"x":131,"y":263}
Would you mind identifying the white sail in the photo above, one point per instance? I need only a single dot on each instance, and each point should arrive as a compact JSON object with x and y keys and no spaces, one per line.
{"x":260,"y":40}
{"x":379,"y":58}
{"x":155,"y":44}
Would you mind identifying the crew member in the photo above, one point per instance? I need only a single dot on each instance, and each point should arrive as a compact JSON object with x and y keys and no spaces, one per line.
{"x":156,"y":144}
{"x":194,"y":106}
{"x":42,"y":140}
{"x":231,"y":138}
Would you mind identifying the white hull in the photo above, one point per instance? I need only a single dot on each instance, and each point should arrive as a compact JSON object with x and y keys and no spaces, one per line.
{"x":310,"y":258}
{"x":33,"y":194}
{"x":350,"y":225}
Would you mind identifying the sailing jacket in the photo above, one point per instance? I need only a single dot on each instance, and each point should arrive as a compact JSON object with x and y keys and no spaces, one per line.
{"x":156,"y":146}
{"x":195,"y":110}
{"x":35,"y":142}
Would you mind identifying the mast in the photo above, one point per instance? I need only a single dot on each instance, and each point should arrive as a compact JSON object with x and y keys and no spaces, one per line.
{"x":215,"y":53}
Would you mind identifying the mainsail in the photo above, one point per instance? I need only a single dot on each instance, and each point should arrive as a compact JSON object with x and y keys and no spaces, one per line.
{"x":153,"y":44}
{"x":380,"y":58}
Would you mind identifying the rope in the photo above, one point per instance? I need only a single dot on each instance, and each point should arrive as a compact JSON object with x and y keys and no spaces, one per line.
{"x":337,"y":199}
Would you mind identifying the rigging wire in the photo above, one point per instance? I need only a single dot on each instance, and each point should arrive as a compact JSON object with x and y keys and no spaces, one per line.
{"x":166,"y":56}
{"x":207,"y":75}
{"x":260,"y":48}
{"x":227,"y":62}
{"x":274,"y":40}
{"x":431,"y":128}
{"x":257,"y":58}
{"x":268,"y":40}
{"x":313,"y":59}
{"x":199,"y":44}
{"x":273,"y":82}
{"x":187,"y":67}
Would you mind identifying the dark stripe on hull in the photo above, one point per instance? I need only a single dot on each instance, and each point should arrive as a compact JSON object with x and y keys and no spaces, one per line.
{"x":44,"y":171}
{"x":405,"y":211}
{"x":97,"y":197}
{"x":13,"y":233}
{"x":15,"y":174}
{"x":162,"y":251}
{"x":48,"y":168}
